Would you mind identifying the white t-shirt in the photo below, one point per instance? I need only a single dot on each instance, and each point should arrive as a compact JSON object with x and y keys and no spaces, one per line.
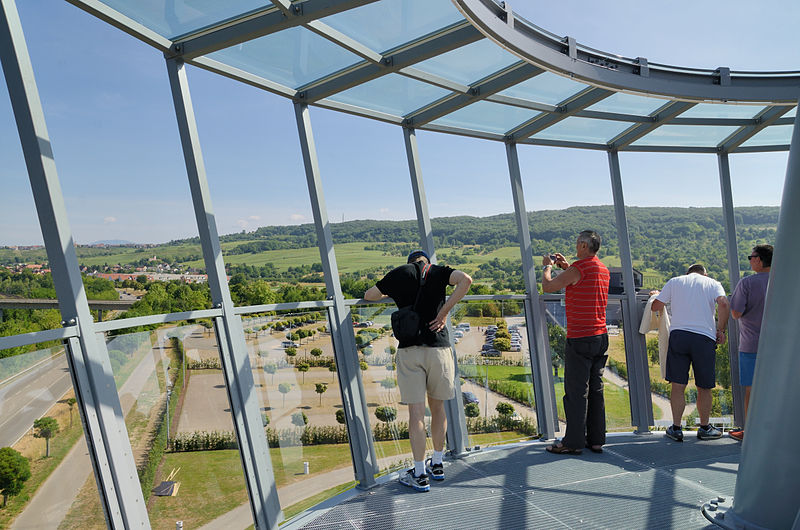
{"x":692,"y":299}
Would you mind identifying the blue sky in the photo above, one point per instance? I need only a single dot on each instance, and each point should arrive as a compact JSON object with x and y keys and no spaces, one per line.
{"x":112,"y":125}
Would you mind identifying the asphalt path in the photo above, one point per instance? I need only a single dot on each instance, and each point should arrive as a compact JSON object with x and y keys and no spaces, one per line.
{"x":29,"y":396}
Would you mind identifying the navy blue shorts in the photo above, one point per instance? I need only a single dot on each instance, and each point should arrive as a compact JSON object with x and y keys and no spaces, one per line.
{"x":747,"y":367}
{"x":687,"y":348}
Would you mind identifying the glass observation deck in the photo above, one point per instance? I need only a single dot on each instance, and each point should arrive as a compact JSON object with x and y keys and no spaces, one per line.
{"x":234,"y":410}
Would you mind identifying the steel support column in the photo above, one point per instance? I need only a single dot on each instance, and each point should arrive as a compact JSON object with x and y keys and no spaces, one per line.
{"x":90,"y":369}
{"x":733,"y":277}
{"x":536,"y":326}
{"x":635,"y":348}
{"x":245,"y":405}
{"x":769,"y":471}
{"x":354,"y":397}
{"x":453,"y":408}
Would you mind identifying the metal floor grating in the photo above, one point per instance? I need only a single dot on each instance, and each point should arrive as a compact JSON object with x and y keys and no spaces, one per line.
{"x":638,"y":482}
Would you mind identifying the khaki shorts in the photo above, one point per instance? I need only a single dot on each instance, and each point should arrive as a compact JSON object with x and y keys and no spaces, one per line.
{"x":425,"y":370}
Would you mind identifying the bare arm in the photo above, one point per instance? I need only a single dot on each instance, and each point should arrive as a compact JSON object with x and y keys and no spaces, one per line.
{"x":723,"y":310}
{"x":570,"y":276}
{"x":657,"y":305}
{"x":462,"y":281}
{"x":736,"y":314}
{"x":374,"y":294}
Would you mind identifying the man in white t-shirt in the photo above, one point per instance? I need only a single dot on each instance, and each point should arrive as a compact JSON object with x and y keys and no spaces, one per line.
{"x":693,"y":340}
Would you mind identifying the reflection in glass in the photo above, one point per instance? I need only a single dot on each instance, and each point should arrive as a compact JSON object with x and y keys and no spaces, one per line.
{"x":687,"y":135}
{"x":772,"y":135}
{"x":716,"y":110}
{"x":628,"y":104}
{"x":547,"y":88}
{"x":393,"y":94}
{"x":39,"y":419}
{"x":491,"y":345}
{"x":291,"y":355}
{"x":584,"y":130}
{"x":487,"y":116}
{"x":469,"y":63}
{"x":179,"y":424}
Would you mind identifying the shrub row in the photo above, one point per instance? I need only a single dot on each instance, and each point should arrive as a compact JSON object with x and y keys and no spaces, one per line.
{"x":619,"y":368}
{"x":158,"y":445}
{"x":501,"y":423}
{"x":211,"y":363}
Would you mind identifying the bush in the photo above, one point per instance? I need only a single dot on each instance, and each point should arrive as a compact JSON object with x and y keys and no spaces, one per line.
{"x":502,"y":344}
{"x":300,"y":419}
{"x":501,"y":423}
{"x":652,"y":350}
{"x":204,"y":364}
{"x":620,"y":368}
{"x":386,"y":413}
{"x":340,"y":416}
{"x":471,"y":410}
{"x":504,"y":409}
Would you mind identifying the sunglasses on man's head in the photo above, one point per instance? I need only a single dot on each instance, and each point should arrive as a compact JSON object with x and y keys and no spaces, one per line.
{"x":751,"y":257}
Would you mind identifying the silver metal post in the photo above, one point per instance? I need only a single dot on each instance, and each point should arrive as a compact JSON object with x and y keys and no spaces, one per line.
{"x":90,"y":369}
{"x":354,"y":397}
{"x":453,"y":408}
{"x":733,"y":277}
{"x":635,"y":347}
{"x":769,"y":473}
{"x":541,"y":363}
{"x":245,"y":406}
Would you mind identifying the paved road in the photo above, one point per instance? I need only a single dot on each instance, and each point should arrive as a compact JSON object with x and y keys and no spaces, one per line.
{"x":29,"y":396}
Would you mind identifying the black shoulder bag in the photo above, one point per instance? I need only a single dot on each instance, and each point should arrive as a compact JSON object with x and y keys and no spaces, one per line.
{"x":406,"y":320}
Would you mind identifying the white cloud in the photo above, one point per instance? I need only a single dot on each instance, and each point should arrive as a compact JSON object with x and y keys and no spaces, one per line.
{"x":108,"y":220}
{"x":384,"y":210}
{"x":254,"y":218}
{"x":297,"y":217}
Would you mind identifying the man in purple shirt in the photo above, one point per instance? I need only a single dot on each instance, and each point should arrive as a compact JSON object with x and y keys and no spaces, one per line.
{"x":747,"y":306}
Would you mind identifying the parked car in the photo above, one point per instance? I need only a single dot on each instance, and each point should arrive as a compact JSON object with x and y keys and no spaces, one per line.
{"x":289,"y":344}
{"x":469,"y":397}
{"x":458,"y":334}
{"x":491,"y":353}
{"x":516,"y":347}
{"x":464,"y":325}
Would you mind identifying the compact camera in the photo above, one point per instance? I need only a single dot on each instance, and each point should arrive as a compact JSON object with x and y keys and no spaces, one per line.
{"x":553,"y":258}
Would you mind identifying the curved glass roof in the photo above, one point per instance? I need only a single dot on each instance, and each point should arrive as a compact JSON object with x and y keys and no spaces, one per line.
{"x":467,"y":67}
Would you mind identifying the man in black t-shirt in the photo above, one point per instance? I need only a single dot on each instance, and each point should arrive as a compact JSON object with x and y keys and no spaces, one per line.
{"x":424,"y":366}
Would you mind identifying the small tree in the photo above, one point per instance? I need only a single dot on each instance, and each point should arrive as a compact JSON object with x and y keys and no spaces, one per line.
{"x":45,"y":427}
{"x":271,"y":368}
{"x":315,"y":352}
{"x":71,"y":402}
{"x":302,"y":367}
{"x":332,"y":369}
{"x":652,"y":350}
{"x":558,"y":345}
{"x":502,"y":344}
{"x":14,"y":471}
{"x":472,"y":410}
{"x":284,"y":388}
{"x":291,"y":352}
{"x":504,"y":409}
{"x":300,"y":419}
{"x":388,"y":383}
{"x":391,"y":350}
{"x":340,"y":416}
{"x":386,"y":414}
{"x":363,"y":365}
{"x":367,"y":351}
{"x":320,"y":388}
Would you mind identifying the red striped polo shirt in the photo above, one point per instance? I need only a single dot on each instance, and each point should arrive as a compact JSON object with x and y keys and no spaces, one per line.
{"x":586,"y":300}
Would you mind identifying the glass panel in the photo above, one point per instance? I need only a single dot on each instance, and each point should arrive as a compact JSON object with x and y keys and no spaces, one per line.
{"x":393,"y":94}
{"x":41,"y":426}
{"x":469,"y":63}
{"x":791,"y":114}
{"x":259,"y":193}
{"x":384,"y":25}
{"x":487,"y":116}
{"x":716,"y":110}
{"x":491,"y":344}
{"x":175,"y":18}
{"x":772,"y":135}
{"x":628,"y":104}
{"x":583,"y":130}
{"x":179,"y":423}
{"x":292,"y":57}
{"x":686,"y":136}
{"x":291,"y":355}
{"x":547,"y":88}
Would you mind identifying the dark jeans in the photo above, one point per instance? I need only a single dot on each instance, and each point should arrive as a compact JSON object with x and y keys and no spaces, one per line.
{"x":584,"y":405}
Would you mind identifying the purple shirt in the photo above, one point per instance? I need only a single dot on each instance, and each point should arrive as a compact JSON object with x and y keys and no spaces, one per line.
{"x":748,"y":299}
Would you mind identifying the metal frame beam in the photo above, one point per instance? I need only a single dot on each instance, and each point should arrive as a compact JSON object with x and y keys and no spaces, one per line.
{"x":354,"y":398}
{"x":536,"y":326}
{"x":657,"y":119}
{"x":566,"y":108}
{"x":764,"y":119}
{"x":89,"y":366}
{"x":245,"y":406}
{"x":601,"y":69}
{"x":635,"y":348}
{"x":453,"y":408}
{"x":732,"y":249}
{"x":258,"y":25}
{"x":448,"y":39}
{"x":497,"y":82}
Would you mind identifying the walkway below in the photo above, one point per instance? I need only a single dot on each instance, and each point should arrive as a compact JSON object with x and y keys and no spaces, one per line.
{"x":644,"y":481}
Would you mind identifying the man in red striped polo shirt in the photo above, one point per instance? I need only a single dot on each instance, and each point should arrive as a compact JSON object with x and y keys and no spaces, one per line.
{"x":586,"y":283}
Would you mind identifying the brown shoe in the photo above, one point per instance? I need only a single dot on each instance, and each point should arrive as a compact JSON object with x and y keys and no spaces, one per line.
{"x":737,"y":434}
{"x":561,"y":449}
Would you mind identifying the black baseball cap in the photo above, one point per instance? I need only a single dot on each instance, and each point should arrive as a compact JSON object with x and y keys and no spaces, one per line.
{"x":414,"y":256}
